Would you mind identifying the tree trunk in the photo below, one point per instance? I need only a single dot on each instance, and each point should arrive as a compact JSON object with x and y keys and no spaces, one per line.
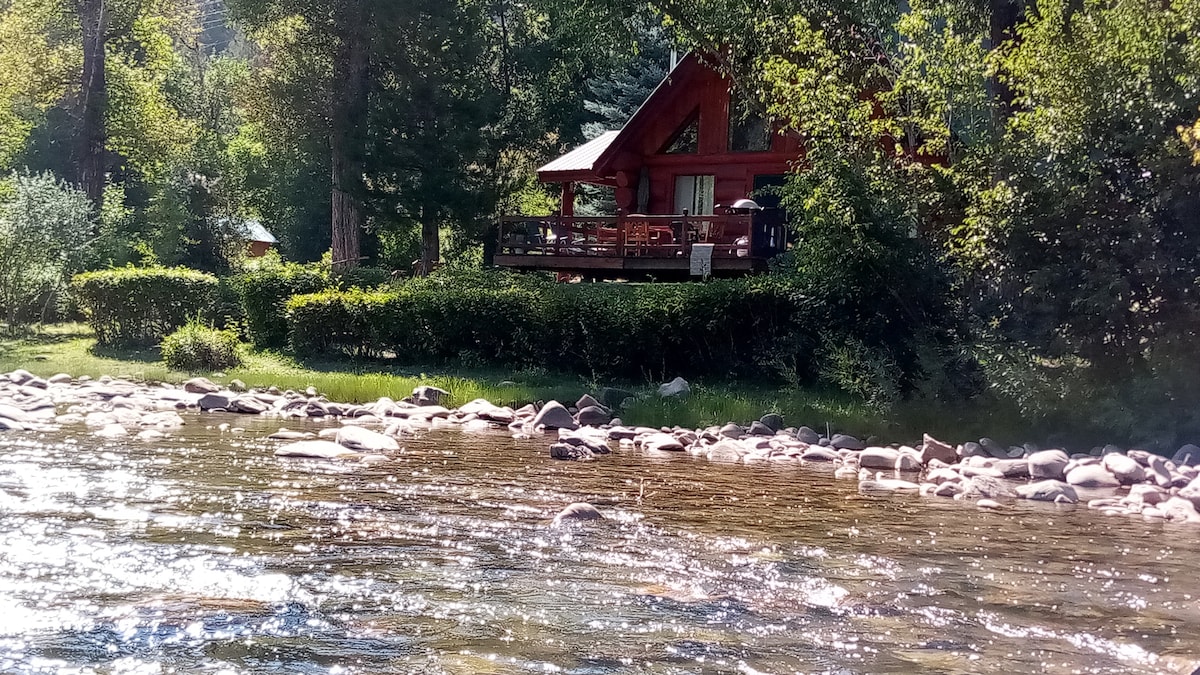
{"x":90,"y":166}
{"x":347,"y":137}
{"x":431,"y":245}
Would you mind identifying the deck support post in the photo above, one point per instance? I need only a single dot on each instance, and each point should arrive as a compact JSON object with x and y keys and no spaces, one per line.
{"x":568,"y":199}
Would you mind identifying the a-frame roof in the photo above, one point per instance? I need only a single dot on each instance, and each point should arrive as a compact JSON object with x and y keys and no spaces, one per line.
{"x":591,"y":162}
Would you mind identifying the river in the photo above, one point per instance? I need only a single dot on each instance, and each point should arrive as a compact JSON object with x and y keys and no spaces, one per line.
{"x":204,"y":553}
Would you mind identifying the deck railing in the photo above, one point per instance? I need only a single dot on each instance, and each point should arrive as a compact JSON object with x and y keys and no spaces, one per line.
{"x":732,"y":235}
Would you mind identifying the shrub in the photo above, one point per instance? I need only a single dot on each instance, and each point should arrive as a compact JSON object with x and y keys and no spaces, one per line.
{"x":44,"y":226}
{"x":138,"y":306}
{"x":198,"y":346}
{"x":725,"y":328}
{"x":264,"y":291}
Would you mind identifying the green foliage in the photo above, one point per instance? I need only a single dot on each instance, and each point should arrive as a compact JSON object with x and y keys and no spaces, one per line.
{"x":198,"y":346}
{"x":652,"y":331}
{"x":138,"y":306}
{"x":45,"y":225}
{"x":264,"y":288}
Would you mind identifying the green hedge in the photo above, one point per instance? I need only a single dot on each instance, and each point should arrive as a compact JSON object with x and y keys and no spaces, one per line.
{"x":264,"y":293}
{"x":739,"y":328}
{"x":137,"y":306}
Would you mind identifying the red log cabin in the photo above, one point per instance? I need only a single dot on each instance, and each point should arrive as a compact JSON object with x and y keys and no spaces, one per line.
{"x":681,"y":170}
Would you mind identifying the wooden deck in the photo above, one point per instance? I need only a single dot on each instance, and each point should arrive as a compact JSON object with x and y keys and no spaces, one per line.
{"x":637,"y":245}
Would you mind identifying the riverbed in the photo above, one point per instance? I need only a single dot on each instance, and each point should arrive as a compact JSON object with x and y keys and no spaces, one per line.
{"x":203,"y":552}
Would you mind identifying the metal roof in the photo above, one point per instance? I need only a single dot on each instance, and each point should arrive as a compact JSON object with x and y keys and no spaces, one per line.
{"x":249,"y":230}
{"x":584,"y":157}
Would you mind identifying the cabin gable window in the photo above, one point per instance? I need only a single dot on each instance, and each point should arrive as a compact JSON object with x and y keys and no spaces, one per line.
{"x":686,"y":140}
{"x":749,"y":130}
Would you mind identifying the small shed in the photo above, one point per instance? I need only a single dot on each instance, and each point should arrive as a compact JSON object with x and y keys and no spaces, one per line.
{"x":258,"y":238}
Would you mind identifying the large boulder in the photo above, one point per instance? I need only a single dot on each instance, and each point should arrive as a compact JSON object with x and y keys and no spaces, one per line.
{"x":554,"y":415}
{"x":1048,"y":465}
{"x":567,"y":451}
{"x":613,"y":398}
{"x":1190,"y":492}
{"x":201,"y":385}
{"x":1048,"y":491}
{"x":887,"y":485}
{"x":807,"y":435}
{"x":315,"y":449}
{"x":816,"y":453}
{"x":908,"y":461}
{"x":1124,"y":468}
{"x":675,"y":388}
{"x":587,"y":401}
{"x":365,"y":440}
{"x":847,"y":442}
{"x":987,"y":487}
{"x":14,"y":413}
{"x":760,"y":429}
{"x":726,"y":451}
{"x":1092,"y":476}
{"x":1188,"y":455}
{"x":215,"y":401}
{"x":932,"y":449}
{"x":593,"y":416}
{"x":878,"y":458}
{"x":577,"y":512}
{"x":661,"y":442}
{"x":426,"y":395}
{"x":773,"y":421}
{"x":247,"y":405}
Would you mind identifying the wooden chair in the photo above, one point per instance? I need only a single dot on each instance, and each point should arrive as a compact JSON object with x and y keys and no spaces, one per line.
{"x":637,"y":237}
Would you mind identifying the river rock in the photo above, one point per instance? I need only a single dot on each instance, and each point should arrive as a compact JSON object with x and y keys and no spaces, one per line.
{"x":289,"y":435}
{"x":593,"y":416}
{"x":675,"y":388}
{"x":807,"y":435}
{"x":554,"y":415}
{"x":7,"y":424}
{"x":847,"y":442}
{"x":14,"y":413}
{"x":949,"y":489}
{"x":1092,"y":476}
{"x":773,"y":421}
{"x":972,"y":449}
{"x":587,"y":401}
{"x":215,"y":401}
{"x":566,"y":451}
{"x":201,"y":385}
{"x":932,"y":449}
{"x":1048,"y":465}
{"x":365,"y":440}
{"x":1180,"y":509}
{"x":1188,"y":455}
{"x":908,"y":461}
{"x":426,"y":395}
{"x":662,"y":442}
{"x":887,"y":485}
{"x":816,"y":453}
{"x":111,"y":431}
{"x":247,"y":405}
{"x":1012,"y":468}
{"x":760,"y":429}
{"x":1124,"y":468}
{"x":943,"y":475}
{"x":1145,"y":493}
{"x":993,"y":448}
{"x":1190,"y":492}
{"x":577,"y":512}
{"x":1158,"y":472}
{"x":726,"y":451}
{"x":878,"y":458}
{"x":987,"y":487}
{"x":731,"y":430}
{"x":315,"y":449}
{"x":1048,"y":491}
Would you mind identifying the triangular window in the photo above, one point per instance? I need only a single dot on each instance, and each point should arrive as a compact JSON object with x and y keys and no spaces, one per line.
{"x":686,"y":140}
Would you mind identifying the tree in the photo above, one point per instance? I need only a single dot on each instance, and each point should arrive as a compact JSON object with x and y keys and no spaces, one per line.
{"x":44,"y":225}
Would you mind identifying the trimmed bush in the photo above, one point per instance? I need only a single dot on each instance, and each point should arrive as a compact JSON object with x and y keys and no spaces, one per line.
{"x":138,"y":306}
{"x":200,"y":347}
{"x":752,"y":329}
{"x":264,"y":292}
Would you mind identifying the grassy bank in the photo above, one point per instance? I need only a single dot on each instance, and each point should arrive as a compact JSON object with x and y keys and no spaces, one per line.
{"x":71,"y":349}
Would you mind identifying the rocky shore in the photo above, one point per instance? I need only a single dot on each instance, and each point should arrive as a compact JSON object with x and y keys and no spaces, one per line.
{"x":1115,"y":481}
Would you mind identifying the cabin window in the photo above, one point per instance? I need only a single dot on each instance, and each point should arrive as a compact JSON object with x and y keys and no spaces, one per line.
{"x":695,"y":194}
{"x":686,"y":140}
{"x":749,"y":130}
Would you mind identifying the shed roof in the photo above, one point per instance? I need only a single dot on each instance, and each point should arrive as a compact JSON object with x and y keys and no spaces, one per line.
{"x":582,"y":158}
{"x":249,"y":230}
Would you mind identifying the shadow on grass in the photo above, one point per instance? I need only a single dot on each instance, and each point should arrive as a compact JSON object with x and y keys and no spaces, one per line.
{"x":137,"y":355}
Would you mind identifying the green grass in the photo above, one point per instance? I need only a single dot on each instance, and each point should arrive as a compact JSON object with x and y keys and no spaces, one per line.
{"x":70,"y":348}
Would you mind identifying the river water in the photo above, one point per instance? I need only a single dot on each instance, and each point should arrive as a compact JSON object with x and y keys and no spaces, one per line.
{"x":206,"y":554}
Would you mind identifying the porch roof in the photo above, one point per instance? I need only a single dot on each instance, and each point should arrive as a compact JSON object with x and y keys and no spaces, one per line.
{"x":579,"y":163}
